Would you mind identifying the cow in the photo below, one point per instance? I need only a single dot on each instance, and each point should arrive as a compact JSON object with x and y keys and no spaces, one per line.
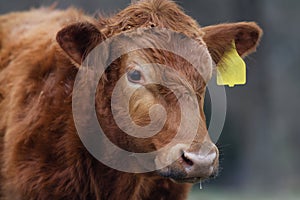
{"x":41,"y":53}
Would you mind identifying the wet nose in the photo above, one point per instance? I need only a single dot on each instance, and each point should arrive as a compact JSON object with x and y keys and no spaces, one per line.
{"x":201,"y":164}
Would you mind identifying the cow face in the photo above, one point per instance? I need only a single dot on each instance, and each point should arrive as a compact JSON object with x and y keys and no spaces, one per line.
{"x":148,"y":95}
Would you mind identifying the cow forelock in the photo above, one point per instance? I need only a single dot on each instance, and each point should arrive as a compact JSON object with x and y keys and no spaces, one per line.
{"x":151,"y":13}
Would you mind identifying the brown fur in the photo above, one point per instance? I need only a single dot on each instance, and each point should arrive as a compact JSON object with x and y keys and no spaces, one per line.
{"x":41,"y":155}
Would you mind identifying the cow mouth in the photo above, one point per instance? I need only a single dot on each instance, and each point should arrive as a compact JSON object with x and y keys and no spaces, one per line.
{"x":178,"y":176}
{"x":187,"y":180}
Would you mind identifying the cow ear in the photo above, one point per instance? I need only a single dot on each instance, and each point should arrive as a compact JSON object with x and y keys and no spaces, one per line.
{"x":219,"y":38}
{"x":77,"y":40}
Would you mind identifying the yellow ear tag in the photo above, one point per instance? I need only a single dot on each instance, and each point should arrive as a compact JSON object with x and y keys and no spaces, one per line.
{"x":231,"y":70}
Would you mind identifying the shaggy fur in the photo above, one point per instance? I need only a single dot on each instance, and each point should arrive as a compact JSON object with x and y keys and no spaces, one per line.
{"x":41,"y":155}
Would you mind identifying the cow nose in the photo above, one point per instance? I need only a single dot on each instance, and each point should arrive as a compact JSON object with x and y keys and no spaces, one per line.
{"x":202,"y":164}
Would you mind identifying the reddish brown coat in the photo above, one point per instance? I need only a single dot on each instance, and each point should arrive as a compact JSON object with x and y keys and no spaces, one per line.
{"x":41,"y":154}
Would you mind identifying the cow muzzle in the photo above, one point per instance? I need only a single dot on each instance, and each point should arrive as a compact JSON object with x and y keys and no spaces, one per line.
{"x":193,"y":164}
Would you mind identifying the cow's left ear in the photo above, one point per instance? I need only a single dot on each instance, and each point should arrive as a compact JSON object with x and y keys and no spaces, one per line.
{"x":78,"y":39}
{"x":218,"y":38}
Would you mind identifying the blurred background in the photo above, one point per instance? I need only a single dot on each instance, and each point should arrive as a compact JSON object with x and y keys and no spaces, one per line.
{"x":260,"y":142}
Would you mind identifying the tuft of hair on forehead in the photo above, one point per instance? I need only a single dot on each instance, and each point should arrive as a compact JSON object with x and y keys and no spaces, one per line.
{"x":152,"y":13}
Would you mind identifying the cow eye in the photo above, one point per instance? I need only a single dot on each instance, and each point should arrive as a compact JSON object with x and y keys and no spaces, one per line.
{"x":134,"y":76}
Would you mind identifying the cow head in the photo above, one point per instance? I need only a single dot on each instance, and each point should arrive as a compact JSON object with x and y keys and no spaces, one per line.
{"x":157,"y":89}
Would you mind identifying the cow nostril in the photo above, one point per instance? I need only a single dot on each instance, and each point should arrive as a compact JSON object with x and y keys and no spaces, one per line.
{"x":186,"y":160}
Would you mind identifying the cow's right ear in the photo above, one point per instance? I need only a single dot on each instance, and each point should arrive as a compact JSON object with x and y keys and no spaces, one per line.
{"x":77,"y":40}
